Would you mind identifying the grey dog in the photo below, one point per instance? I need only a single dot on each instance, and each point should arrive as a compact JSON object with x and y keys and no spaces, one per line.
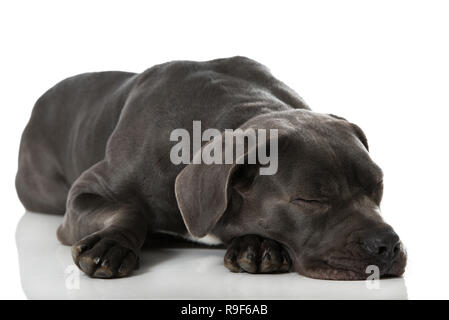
{"x":97,"y":149}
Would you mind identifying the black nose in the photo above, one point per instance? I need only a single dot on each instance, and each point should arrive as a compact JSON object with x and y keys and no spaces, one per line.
{"x":383,"y":244}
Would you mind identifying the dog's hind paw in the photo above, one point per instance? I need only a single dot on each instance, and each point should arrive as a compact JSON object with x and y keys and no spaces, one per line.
{"x":255,"y":254}
{"x":103,"y":257}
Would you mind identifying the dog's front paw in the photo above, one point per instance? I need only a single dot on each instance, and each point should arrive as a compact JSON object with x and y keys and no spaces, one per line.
{"x":254,"y":254}
{"x":100,"y":256}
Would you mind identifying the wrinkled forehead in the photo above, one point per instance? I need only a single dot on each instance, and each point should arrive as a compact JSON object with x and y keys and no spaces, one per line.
{"x":325,"y":157}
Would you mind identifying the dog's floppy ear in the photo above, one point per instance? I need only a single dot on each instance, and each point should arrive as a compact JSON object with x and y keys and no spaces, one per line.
{"x":203,"y":191}
{"x":360,"y":134}
{"x":357,"y":130}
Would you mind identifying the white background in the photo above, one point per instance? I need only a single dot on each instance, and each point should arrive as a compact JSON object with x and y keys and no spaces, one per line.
{"x":381,"y":64}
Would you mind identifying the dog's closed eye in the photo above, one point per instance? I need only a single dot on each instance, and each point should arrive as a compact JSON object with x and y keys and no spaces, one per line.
{"x":301,"y":201}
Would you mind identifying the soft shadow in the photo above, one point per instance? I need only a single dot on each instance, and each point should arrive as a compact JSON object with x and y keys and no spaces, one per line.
{"x":169,"y":269}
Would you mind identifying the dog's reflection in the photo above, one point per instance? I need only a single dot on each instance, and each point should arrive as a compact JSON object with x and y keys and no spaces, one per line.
{"x":174,"y":271}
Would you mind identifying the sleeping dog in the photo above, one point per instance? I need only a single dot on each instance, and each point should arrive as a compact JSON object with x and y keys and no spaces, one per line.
{"x":97,"y":148}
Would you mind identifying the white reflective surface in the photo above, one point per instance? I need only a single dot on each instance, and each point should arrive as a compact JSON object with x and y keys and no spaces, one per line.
{"x":47,"y":272}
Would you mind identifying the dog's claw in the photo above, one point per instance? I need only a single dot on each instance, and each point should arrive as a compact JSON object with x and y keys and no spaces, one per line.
{"x":230,"y":261}
{"x":254,"y":254}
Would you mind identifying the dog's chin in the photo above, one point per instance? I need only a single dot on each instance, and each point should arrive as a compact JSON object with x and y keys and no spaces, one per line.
{"x":332,"y":273}
{"x":331,"y":270}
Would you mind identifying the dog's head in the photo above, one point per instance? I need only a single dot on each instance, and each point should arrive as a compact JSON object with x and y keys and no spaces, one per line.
{"x":322,"y":204}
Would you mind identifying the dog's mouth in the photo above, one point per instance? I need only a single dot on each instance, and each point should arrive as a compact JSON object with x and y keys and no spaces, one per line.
{"x":342,"y":268}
